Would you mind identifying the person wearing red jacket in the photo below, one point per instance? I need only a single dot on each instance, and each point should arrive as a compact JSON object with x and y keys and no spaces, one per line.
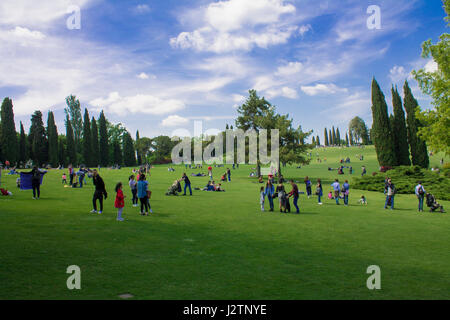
{"x":120,"y":201}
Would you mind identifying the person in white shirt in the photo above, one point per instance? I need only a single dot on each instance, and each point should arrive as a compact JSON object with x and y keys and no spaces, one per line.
{"x":420,"y":193}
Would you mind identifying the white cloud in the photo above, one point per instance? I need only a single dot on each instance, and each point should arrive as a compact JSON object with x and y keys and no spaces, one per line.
{"x":304,"y":29}
{"x":141,"y":9}
{"x":174,"y":121}
{"x":283,"y":92}
{"x":140,"y":103}
{"x":320,"y":88}
{"x":239,"y":25}
{"x":398,"y":74}
{"x":431,"y":66}
{"x":290,"y":69}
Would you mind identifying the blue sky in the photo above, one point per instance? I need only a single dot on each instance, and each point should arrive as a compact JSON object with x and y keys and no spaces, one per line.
{"x":158,"y":66}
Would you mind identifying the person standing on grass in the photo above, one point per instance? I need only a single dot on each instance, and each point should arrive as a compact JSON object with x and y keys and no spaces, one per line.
{"x":120,"y":201}
{"x":210,"y":173}
{"x":70,"y":174}
{"x":364,"y":171}
{"x":142,"y":186}
{"x":295,"y":194}
{"x":99,"y":192}
{"x":280,"y":191}
{"x":346,"y":191}
{"x":0,"y":175}
{"x":308,"y":186}
{"x":389,"y":191}
{"x":319,"y":191}
{"x":261,"y":198}
{"x":269,"y":192}
{"x":229,"y":174}
{"x":187,"y":184}
{"x":35,"y":182}
{"x":337,"y":190}
{"x":133,"y":186}
{"x":420,"y":193}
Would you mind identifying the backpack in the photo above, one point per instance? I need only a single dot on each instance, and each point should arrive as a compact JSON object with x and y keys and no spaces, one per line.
{"x":421,"y":191}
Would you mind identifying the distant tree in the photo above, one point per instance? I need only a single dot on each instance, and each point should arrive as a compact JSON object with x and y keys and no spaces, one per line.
{"x":70,"y":142}
{"x":129,"y":155}
{"x":381,"y":129}
{"x":139,"y":155}
{"x":103,"y":143}
{"x":22,"y":145}
{"x":87,"y":139}
{"x":338,"y":136}
{"x":73,"y":110}
{"x":117,"y":153}
{"x":350,"y":137}
{"x":314,"y":140}
{"x":8,"y":133}
{"x":62,"y":150}
{"x":143,"y":147}
{"x":325,"y":135}
{"x":95,"y":145}
{"x":347,"y":142}
{"x":358,"y":131}
{"x":330,"y":138}
{"x":52,"y":134}
{"x":318,"y":141}
{"x":38,"y":139}
{"x":418,"y":147}
{"x":399,"y":130}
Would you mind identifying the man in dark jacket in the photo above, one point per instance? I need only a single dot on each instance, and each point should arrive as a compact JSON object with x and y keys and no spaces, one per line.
{"x":99,"y":192}
{"x":187,"y":184}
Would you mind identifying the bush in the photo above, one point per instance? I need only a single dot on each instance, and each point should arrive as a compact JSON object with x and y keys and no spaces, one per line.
{"x":406,"y":178}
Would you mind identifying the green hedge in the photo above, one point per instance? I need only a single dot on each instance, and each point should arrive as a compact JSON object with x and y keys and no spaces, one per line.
{"x":405,"y":179}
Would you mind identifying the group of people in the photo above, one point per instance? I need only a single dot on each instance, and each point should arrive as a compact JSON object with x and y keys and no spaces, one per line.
{"x":270,"y":192}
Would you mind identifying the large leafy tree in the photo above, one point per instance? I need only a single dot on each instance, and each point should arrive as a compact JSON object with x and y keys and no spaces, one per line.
{"x":436,"y":83}
{"x":95,"y":157}
{"x":418,"y":147}
{"x":381,"y":129}
{"x":129,"y":155}
{"x":399,"y":130}
{"x":38,"y":139}
{"x":73,"y":110}
{"x":8,"y":133}
{"x":103,"y":140}
{"x":162,"y":148}
{"x":358,"y":131}
{"x":52,"y":133}
{"x":117,"y":153}
{"x":143,"y":147}
{"x":70,"y":143}
{"x":87,"y":139}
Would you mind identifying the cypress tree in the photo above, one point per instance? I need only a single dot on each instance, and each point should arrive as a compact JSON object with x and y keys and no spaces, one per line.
{"x":52,"y":133}
{"x":129,"y":155}
{"x":334,"y":138}
{"x":318,"y":141}
{"x":381,"y":131}
{"x":87,"y":140}
{"x":350,"y":137}
{"x":338,"y":136}
{"x":347,"y":143}
{"x":8,"y":133}
{"x":400,"y":132}
{"x":95,"y":147}
{"x":39,"y":141}
{"x":418,"y":147}
{"x":330,"y":138}
{"x":325,"y":134}
{"x":103,"y":143}
{"x":313,"y":141}
{"x":139,"y":157}
{"x":61,"y":151}
{"x":70,"y":142}
{"x":22,"y":145}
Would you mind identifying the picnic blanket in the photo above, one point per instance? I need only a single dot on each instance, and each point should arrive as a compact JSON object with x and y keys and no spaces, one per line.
{"x":25,"y":180}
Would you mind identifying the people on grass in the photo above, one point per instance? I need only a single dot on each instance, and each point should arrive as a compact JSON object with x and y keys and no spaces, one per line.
{"x":229,"y":174}
{"x":261,"y":198}
{"x":281,"y":193}
{"x":337,"y":189}
{"x":362,"y":200}
{"x":210,"y":174}
{"x":71,"y":174}
{"x":35,"y":182}
{"x":319,"y":191}
{"x":119,"y":203}
{"x":364,"y":171}
{"x":99,"y":193}
{"x":294,"y":194}
{"x":133,"y":186}
{"x":187,"y":184}
{"x":142,"y":186}
{"x":269,"y":192}
{"x":389,"y":191}
{"x":64,"y":178}
{"x":420,"y":194}
{"x":308,"y":186}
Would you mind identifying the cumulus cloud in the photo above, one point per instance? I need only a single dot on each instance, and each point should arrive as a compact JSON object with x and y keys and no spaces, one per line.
{"x":141,"y":9}
{"x":320,"y":88}
{"x":239,"y":25}
{"x":174,"y":121}
{"x":398,"y":73}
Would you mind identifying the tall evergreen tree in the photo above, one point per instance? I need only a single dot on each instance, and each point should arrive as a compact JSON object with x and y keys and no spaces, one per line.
{"x":95,"y":146}
{"x":52,"y":134}
{"x":103,"y":140}
{"x":318,"y":141}
{"x":418,"y":148}
{"x":338,"y":136}
{"x":73,"y":110}
{"x":330,"y":138}
{"x":350,"y":137}
{"x":335,"y":142}
{"x":325,"y":135}
{"x":117,"y":153}
{"x":22,"y":145}
{"x":314,"y":141}
{"x":8,"y":133}
{"x":139,"y":156}
{"x":87,"y":140}
{"x":71,"y":154}
{"x":399,"y":129}
{"x":38,"y":141}
{"x":61,"y":150}
{"x":129,"y":155}
{"x":381,"y":129}
{"x":347,"y":142}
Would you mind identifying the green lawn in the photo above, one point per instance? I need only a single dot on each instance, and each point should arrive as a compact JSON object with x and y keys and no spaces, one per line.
{"x":220,"y":245}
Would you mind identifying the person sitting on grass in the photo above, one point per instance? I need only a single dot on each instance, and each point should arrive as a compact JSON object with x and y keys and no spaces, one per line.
{"x":363,"y":200}
{"x":260,"y":179}
{"x":219,"y":188}
{"x":5,"y":192}
{"x":223,"y":177}
{"x":18,"y":182}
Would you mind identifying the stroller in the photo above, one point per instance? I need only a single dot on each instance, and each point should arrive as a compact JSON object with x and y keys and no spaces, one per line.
{"x":433,"y":204}
{"x":174,"y":189}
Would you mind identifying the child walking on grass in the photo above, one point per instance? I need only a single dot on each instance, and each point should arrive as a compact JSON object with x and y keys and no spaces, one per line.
{"x":120,"y":201}
{"x":261,"y":198}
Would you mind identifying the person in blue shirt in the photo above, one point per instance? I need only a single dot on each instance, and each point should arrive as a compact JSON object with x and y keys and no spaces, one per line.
{"x":142,"y":186}
{"x":187,"y":184}
{"x":345,"y":191}
{"x":319,"y":191}
{"x":269,"y":192}
{"x":308,"y":186}
{"x":337,"y":189}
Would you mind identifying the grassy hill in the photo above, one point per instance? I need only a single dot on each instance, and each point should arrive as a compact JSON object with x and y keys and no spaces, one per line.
{"x":219,"y":245}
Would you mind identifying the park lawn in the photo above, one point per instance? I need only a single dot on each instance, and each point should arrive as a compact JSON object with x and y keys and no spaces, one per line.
{"x":220,"y":245}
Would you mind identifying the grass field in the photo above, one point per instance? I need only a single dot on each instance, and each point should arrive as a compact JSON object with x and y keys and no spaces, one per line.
{"x":219,"y":245}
